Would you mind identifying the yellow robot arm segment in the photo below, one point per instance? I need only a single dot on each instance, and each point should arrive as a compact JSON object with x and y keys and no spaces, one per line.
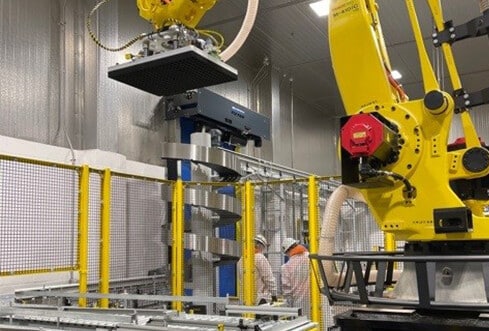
{"x":163,"y":12}
{"x":396,"y":151}
{"x":471,"y":137}
{"x":359,"y":57}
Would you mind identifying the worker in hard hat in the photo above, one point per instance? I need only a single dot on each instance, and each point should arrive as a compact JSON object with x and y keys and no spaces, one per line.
{"x":295,"y":275}
{"x":265,"y":283}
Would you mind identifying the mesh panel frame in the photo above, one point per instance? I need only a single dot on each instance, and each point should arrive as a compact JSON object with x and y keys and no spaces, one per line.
{"x":39,"y":226}
{"x":357,"y":231}
{"x":204,"y":216}
{"x":38,"y":217}
{"x":139,"y":237}
{"x":95,"y":196}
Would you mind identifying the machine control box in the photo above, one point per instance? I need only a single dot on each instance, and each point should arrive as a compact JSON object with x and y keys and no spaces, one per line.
{"x":219,"y":112}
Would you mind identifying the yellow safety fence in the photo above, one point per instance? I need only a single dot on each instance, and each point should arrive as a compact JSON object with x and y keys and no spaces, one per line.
{"x":56,"y":217}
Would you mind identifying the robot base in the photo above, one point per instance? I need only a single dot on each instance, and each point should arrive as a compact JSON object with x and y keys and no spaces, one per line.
{"x":409,"y":319}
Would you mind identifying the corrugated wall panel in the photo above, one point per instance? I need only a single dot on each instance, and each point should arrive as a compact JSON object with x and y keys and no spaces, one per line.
{"x":304,"y":138}
{"x":29,"y":68}
{"x":281,"y":119}
{"x":314,"y":141}
{"x":108,"y":104}
{"x":55,"y":79}
{"x":237,"y":91}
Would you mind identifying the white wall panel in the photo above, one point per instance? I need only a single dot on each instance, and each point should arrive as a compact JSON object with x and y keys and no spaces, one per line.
{"x":54,"y":87}
{"x":314,"y":147}
{"x":29,"y":68}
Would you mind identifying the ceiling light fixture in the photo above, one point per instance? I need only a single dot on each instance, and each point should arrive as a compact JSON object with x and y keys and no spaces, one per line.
{"x":396,"y":74}
{"x":321,"y":8}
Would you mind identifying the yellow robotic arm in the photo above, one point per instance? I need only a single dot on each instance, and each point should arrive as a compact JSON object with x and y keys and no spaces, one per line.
{"x":163,"y":12}
{"x":396,"y":151}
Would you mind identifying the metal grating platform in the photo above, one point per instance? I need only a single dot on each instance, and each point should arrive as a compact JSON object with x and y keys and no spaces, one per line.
{"x":174,"y":71}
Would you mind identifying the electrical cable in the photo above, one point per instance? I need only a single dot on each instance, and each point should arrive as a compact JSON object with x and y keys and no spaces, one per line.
{"x":368,"y":171}
{"x":219,"y":42}
{"x":98,"y":42}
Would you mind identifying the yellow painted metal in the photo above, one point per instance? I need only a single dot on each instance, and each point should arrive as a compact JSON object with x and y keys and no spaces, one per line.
{"x":390,"y":245}
{"x":359,"y":63}
{"x":429,"y":77}
{"x":177,"y":262}
{"x":358,"y":55}
{"x":84,"y":183}
{"x":248,"y":245}
{"x":312,"y":193}
{"x":389,"y":242}
{"x":38,"y":162}
{"x":105,"y":238}
{"x":471,"y":137}
{"x":145,"y":178}
{"x":163,"y":12}
{"x":240,"y":234}
{"x":38,"y":271}
{"x":174,"y":252}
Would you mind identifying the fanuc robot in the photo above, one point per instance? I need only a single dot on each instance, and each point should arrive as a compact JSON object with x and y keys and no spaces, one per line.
{"x":176,"y":56}
{"x":432,"y":194}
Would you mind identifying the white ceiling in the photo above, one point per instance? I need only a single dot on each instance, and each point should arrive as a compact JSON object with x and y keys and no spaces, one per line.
{"x":296,"y":42}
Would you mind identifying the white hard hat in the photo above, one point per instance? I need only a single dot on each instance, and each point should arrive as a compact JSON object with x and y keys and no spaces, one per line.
{"x":288,"y":243}
{"x":261,"y":240}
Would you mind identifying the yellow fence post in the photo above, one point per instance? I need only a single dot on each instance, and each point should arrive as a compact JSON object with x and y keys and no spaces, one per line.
{"x":84,"y":185}
{"x":239,"y":188}
{"x":389,"y":242}
{"x":313,"y":248}
{"x":249,"y":247}
{"x":177,"y":262}
{"x":105,"y":238}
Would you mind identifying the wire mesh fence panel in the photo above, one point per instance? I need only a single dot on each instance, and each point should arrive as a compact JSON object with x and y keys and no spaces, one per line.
{"x":95,"y":196}
{"x":270,"y":216}
{"x":119,"y":234}
{"x":211,"y":213}
{"x":138,"y":249}
{"x":146,"y":215}
{"x":38,"y":218}
{"x":355,"y":231}
{"x":280,"y":212}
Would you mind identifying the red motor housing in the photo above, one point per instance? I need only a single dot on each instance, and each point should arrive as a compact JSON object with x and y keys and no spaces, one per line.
{"x":368,"y":135}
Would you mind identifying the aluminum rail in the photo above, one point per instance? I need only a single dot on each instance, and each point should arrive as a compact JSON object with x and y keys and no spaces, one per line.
{"x":263,"y":310}
{"x":284,"y":170}
{"x":165,"y":298}
{"x":228,"y":164}
{"x":299,"y":324}
{"x":115,"y":283}
{"x":8,"y":327}
{"x":62,"y":316}
{"x":36,"y":317}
